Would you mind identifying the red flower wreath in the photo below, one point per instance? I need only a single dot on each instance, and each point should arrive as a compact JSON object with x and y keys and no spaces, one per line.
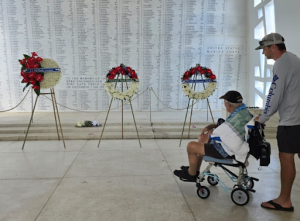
{"x":198,"y":70}
{"x":123,"y":70}
{"x":188,"y":90}
{"x":33,"y":78}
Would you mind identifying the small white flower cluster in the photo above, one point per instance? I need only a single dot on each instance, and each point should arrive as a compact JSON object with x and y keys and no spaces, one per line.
{"x":198,"y":95}
{"x":110,"y":89}
{"x":87,"y":123}
{"x":80,"y":124}
{"x":50,"y":78}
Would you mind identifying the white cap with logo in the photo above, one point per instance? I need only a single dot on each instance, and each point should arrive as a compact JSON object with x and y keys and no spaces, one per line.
{"x":270,"y":39}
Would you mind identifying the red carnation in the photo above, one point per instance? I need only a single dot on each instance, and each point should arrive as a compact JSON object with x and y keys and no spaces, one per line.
{"x":25,"y":80}
{"x":31,"y":60}
{"x":35,"y":65}
{"x":35,"y":87}
{"x":199,"y":68}
{"x":193,"y":71}
{"x":212,"y":76}
{"x":39,"y":78}
{"x":128,"y":68}
{"x":187,"y":74}
{"x":122,"y":71}
{"x":23,"y":61}
{"x":32,"y":81}
{"x":118,"y":69}
{"x":111,"y":77}
{"x":202,"y":71}
{"x":208,"y":71}
{"x":23,"y":74}
{"x":112,"y":74}
{"x":133,"y":74}
{"x":31,"y":75}
{"x":27,"y":65}
{"x":34,"y":54}
{"x":185,"y":78}
{"x":39,"y":59}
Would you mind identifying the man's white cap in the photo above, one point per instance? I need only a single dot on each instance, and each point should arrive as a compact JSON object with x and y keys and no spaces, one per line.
{"x":270,"y":39}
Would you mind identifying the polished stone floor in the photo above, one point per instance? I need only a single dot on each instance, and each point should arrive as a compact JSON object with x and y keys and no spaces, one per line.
{"x":121,"y":181}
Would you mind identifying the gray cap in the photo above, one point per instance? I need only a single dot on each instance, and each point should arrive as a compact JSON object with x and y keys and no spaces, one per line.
{"x":270,"y":39}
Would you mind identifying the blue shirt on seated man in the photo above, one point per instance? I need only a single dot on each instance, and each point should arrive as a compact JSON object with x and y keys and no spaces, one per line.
{"x":221,"y":141}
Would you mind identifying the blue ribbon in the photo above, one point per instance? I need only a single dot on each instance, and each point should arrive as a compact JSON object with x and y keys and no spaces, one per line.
{"x":42,"y":70}
{"x":199,"y":81}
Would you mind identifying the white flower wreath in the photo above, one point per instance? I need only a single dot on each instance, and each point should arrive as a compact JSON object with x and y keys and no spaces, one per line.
{"x":110,"y":86}
{"x":50,"y":78}
{"x":186,"y":88}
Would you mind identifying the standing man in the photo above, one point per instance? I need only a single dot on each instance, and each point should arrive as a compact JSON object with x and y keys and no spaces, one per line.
{"x":284,"y":97}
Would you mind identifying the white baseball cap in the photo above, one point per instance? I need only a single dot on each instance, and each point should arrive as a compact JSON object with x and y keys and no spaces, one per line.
{"x":270,"y":39}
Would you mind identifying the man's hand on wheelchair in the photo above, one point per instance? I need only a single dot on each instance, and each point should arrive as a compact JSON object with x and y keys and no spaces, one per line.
{"x":256,"y":118}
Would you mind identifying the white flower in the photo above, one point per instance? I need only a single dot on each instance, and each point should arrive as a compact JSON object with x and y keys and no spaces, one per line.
{"x":80,"y":124}
{"x":50,"y":78}
{"x":186,"y":88}
{"x":132,"y":90}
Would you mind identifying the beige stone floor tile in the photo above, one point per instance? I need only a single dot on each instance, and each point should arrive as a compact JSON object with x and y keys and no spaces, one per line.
{"x":5,"y":144}
{"x":219,"y":202}
{"x":20,"y":165}
{"x":45,"y":146}
{"x":117,"y":198}
{"x":92,"y":145}
{"x":23,"y":199}
{"x":119,"y":163}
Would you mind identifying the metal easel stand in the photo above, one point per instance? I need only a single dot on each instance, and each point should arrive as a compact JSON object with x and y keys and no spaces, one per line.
{"x":56,"y":116}
{"x":187,"y":110}
{"x":121,"y":80}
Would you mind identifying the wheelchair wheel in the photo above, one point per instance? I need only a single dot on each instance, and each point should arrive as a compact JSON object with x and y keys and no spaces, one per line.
{"x":249,"y":184}
{"x":203,"y":192}
{"x":240,"y":196}
{"x":212,"y":181}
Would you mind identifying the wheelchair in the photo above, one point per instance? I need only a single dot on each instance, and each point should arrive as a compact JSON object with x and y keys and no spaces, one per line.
{"x":244,"y":182}
{"x":258,"y":148}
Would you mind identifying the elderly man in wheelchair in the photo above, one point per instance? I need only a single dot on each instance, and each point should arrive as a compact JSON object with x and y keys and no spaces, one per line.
{"x":220,"y":144}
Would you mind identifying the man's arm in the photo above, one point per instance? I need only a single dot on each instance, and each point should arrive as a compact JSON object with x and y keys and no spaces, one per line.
{"x":276,"y":93}
{"x":204,"y":135}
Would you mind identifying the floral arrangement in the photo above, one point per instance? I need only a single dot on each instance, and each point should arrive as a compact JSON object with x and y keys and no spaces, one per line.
{"x":38,"y":80}
{"x":208,"y":75}
{"x":31,"y":78}
{"x":50,"y":78}
{"x":128,"y":73}
{"x":87,"y":123}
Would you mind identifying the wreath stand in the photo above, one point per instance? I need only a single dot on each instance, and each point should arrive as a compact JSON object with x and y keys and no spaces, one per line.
{"x":187,"y":110}
{"x":122,"y":81}
{"x":56,"y":116}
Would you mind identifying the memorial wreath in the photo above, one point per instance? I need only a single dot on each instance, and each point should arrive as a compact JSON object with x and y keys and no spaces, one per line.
{"x":38,"y":72}
{"x":130,"y":76}
{"x":210,"y":78}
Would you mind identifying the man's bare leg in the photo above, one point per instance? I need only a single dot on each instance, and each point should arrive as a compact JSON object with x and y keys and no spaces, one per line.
{"x":287,"y":175}
{"x":199,"y":162}
{"x":195,"y":150}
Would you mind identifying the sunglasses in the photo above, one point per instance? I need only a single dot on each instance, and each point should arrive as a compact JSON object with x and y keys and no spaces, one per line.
{"x":261,"y":43}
